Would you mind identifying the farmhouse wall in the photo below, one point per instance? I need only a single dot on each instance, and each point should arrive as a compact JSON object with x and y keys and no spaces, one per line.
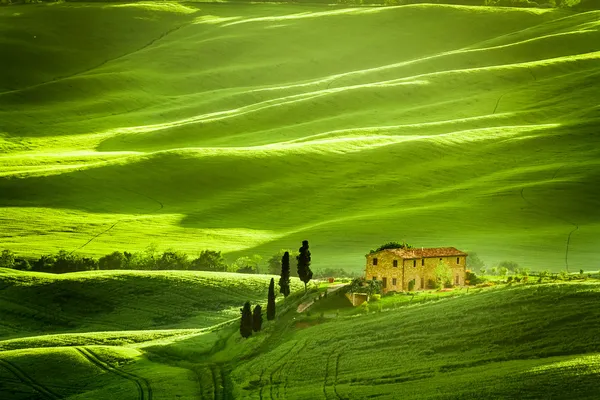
{"x":420,"y":269}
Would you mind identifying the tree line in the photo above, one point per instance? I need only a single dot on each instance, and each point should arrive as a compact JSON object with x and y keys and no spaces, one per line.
{"x":150,"y":259}
{"x":251,"y":319}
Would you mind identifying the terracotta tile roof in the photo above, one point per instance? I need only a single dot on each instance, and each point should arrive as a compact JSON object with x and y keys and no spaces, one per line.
{"x":425,"y":253}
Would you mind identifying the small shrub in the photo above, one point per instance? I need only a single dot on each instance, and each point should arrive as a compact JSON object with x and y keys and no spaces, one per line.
{"x":472,"y":279}
{"x":525,"y":279}
{"x":391,"y":245}
{"x":517,"y":279}
{"x":411,"y":285}
{"x":364,"y":307}
{"x":433,"y":284}
{"x":563,"y":274}
{"x":22,"y":264}
{"x":509,"y":279}
{"x":375,"y":297}
{"x":7,"y":259}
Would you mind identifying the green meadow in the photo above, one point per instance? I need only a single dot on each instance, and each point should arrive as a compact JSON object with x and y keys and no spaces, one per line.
{"x":248,"y":128}
{"x":530,"y":341}
{"x":123,"y":300}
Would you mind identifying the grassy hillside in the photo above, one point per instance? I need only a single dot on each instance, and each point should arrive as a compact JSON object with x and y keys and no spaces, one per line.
{"x":520,"y":341}
{"x":36,"y":303}
{"x":91,"y":372}
{"x":527,"y":342}
{"x":248,"y":128}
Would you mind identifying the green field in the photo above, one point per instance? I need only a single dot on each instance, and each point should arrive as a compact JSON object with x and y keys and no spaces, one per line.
{"x":34,"y":303}
{"x":509,"y":341}
{"x":114,"y":334}
{"x":248,"y":128}
{"x":525,"y":342}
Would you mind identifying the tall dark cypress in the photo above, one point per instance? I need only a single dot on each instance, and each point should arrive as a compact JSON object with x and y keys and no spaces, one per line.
{"x":271,"y":301}
{"x":284,"y":281}
{"x":304,"y":271}
{"x":257,"y":318}
{"x":246,"y":321}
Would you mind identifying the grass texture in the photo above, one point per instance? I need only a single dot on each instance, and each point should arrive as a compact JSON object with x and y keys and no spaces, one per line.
{"x":248,"y":128}
{"x":508,"y":341}
{"x":36,"y":303}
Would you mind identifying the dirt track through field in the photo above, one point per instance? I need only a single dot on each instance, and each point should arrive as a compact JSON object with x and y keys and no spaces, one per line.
{"x":160,"y":204}
{"x":28,"y":381}
{"x":143,"y":387}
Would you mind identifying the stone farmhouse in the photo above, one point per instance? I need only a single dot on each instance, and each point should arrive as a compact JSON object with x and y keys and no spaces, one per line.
{"x":395,"y":268}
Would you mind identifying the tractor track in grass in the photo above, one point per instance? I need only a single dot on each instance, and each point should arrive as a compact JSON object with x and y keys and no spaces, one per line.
{"x":28,"y":381}
{"x":335,"y":378}
{"x":143,"y":386}
{"x":199,"y":379}
{"x":260,"y":379}
{"x":214,"y":381}
{"x":35,"y":311}
{"x":285,"y":382}
{"x":327,"y":375}
{"x":274,"y":371}
{"x":220,"y":386}
{"x":542,"y":209}
{"x":160,"y":204}
{"x":103,"y":63}
{"x":223,"y":376}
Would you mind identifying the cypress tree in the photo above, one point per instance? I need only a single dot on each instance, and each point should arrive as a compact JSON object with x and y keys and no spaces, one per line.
{"x":304,"y":271}
{"x":271,"y":301}
{"x":284,"y":281}
{"x":257,"y":318}
{"x":246,"y":321}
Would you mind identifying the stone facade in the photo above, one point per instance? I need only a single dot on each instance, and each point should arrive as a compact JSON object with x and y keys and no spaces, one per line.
{"x":397,"y":267}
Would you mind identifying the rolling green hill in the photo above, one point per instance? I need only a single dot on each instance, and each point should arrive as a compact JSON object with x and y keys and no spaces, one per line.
{"x":526,"y":342}
{"x":91,"y":372}
{"x":512,"y":341}
{"x":248,"y":128}
{"x":36,"y":303}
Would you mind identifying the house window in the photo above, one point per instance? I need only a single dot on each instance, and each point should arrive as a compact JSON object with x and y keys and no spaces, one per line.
{"x":422,"y":261}
{"x":374,"y":278}
{"x":458,"y":279}
{"x":395,"y":263}
{"x":394,"y":281}
{"x":457,"y":260}
{"x":415,"y":263}
{"x":375,"y":261}
{"x":422,"y":283}
{"x":384,"y":282}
